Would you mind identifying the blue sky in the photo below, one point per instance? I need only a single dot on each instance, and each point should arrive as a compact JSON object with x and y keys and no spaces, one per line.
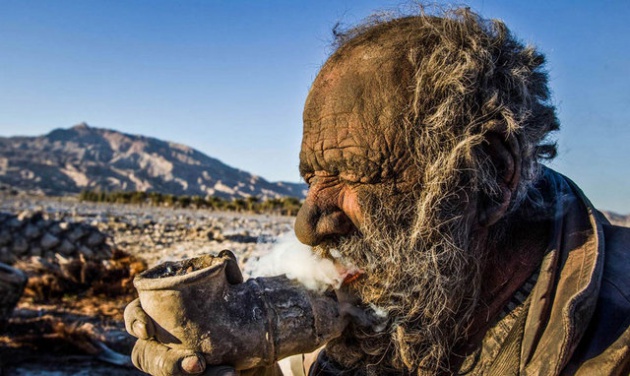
{"x":230,"y":77}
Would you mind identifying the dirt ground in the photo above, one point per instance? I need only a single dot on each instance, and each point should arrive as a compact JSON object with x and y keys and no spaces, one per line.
{"x":66,"y":337}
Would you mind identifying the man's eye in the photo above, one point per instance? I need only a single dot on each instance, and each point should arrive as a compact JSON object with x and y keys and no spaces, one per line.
{"x":321,"y":178}
{"x":308,"y":179}
{"x":314,"y":180}
{"x":349,"y":178}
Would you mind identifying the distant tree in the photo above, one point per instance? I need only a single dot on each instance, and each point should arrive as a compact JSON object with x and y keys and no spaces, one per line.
{"x":272,"y":205}
{"x":239,"y":204}
{"x":139,"y":197}
{"x":87,"y":195}
{"x":216,"y":203}
{"x":198,"y":202}
{"x":252,"y":204}
{"x":290,"y":205}
{"x":184,"y":201}
{"x":155,"y":198}
{"x":169,"y":200}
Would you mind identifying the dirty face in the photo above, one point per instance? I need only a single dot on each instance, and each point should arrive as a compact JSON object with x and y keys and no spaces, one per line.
{"x":353,"y":147}
{"x":365,"y":201}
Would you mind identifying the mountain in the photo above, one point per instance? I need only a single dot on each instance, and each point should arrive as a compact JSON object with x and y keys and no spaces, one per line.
{"x":66,"y":161}
{"x":618,"y":219}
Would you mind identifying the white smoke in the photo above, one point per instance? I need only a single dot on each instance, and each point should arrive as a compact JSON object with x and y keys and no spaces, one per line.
{"x":296,"y":260}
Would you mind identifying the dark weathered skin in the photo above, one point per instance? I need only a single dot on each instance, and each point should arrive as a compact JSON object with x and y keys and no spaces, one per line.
{"x":352,"y":144}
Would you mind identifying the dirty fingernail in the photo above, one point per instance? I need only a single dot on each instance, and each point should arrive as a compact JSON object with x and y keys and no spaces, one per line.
{"x":140,"y":330}
{"x":193,"y":364}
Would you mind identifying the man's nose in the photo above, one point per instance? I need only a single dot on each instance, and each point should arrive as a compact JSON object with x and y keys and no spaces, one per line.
{"x":315,"y":224}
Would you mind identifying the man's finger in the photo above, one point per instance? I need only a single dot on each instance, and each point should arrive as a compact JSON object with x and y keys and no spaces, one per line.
{"x":137,"y":322}
{"x":160,"y":360}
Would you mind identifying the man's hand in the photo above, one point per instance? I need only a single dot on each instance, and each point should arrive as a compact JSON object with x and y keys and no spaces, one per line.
{"x":158,"y":359}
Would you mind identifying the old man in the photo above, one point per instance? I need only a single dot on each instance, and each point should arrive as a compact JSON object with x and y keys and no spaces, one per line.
{"x":422,"y":148}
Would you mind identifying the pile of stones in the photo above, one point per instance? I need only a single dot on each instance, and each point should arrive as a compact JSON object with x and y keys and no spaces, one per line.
{"x":31,"y":234}
{"x":39,"y":246}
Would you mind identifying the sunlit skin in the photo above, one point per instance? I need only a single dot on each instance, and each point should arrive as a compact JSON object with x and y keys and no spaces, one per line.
{"x":348,"y":148}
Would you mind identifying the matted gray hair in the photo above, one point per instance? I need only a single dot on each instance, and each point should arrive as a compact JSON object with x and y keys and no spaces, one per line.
{"x":468,"y":76}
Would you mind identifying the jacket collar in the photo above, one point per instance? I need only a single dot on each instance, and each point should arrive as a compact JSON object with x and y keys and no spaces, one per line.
{"x":565,"y":295}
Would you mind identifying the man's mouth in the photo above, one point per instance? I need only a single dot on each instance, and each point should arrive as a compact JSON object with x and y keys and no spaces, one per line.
{"x":349,"y":278}
{"x":348,"y":273}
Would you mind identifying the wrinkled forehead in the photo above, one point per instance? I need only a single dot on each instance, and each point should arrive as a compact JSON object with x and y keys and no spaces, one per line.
{"x":354,"y":108}
{"x":365,"y":80}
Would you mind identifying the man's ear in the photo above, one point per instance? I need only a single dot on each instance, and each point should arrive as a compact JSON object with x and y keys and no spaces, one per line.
{"x":504,"y":154}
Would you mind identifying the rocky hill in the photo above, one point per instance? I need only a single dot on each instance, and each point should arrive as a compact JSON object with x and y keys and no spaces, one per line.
{"x":66,"y":161}
{"x":618,"y":219}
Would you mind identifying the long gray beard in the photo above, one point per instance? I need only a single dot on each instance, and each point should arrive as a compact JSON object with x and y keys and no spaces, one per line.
{"x":420,"y":286}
